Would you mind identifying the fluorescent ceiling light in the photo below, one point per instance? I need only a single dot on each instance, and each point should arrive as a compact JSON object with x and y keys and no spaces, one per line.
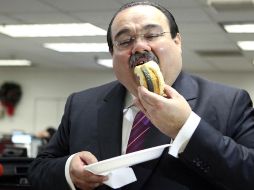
{"x":77,"y":47}
{"x":52,"y":30}
{"x":246,"y":45}
{"x":9,"y":63}
{"x":239,"y":28}
{"x":105,"y":62}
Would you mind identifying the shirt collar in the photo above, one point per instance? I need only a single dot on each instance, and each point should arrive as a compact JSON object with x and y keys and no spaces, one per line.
{"x":128,"y":102}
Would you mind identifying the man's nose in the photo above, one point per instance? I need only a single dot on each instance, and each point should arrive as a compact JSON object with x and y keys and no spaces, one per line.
{"x":140,"y":45}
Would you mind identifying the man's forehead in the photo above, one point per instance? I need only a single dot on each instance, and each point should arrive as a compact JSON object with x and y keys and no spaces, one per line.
{"x":143,"y":15}
{"x":140,"y":10}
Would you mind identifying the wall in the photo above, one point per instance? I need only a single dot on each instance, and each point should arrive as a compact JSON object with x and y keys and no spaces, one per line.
{"x":45,"y":93}
{"x":240,"y":80}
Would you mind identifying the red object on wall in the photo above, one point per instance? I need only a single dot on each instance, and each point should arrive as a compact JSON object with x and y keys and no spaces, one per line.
{"x":10,"y":95}
{"x":9,"y":108}
{"x":1,"y":169}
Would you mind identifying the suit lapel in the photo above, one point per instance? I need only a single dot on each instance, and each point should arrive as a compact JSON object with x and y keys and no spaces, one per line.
{"x":110,"y":121}
{"x":186,"y":86}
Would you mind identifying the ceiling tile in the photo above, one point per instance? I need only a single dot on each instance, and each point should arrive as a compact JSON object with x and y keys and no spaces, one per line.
{"x":23,"y":6}
{"x":45,"y":18}
{"x":85,"y":5}
{"x":190,"y":15}
{"x":198,"y":25}
{"x":7,"y":20}
{"x":231,"y":63}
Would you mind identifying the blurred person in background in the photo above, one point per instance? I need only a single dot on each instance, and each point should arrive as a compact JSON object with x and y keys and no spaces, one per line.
{"x":46,"y":134}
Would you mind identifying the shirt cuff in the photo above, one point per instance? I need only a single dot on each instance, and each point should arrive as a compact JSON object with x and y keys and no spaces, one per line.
{"x":184,"y":135}
{"x":67,"y":172}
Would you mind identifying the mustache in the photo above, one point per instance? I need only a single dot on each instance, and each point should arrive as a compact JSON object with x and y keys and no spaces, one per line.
{"x":146,"y":55}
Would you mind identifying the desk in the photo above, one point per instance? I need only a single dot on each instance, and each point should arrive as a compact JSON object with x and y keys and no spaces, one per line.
{"x":15,"y":173}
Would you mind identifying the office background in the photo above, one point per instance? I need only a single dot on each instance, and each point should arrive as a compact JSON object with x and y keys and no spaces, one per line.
{"x":45,"y":93}
{"x":208,"y":51}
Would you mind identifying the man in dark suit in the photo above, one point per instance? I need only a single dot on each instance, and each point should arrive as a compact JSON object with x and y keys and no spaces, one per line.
{"x":211,"y":125}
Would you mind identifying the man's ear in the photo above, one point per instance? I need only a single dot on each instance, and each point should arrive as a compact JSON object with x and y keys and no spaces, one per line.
{"x":178,"y":42}
{"x":178,"y":39}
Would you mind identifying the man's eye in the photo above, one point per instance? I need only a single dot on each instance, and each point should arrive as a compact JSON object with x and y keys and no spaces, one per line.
{"x":151,"y":36}
{"x":124,"y":42}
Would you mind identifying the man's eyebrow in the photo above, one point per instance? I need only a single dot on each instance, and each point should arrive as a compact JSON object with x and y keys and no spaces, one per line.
{"x":152,"y":26}
{"x":123,"y":31}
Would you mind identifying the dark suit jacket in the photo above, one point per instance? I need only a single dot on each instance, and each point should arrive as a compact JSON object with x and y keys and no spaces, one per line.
{"x":219,"y":155}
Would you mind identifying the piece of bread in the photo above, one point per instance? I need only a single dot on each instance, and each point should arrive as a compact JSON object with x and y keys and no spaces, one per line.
{"x":150,"y":77}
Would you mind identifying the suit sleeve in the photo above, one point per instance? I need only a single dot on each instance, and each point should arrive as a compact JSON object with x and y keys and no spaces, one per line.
{"x":225,"y":157}
{"x":47,"y":170}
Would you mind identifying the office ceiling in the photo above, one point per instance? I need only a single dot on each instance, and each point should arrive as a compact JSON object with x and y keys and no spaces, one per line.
{"x":206,"y":46}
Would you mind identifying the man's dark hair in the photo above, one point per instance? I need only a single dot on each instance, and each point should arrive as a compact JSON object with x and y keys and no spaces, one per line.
{"x":171,"y":20}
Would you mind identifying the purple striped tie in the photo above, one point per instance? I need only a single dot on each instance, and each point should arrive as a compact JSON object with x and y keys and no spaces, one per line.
{"x":140,"y":127}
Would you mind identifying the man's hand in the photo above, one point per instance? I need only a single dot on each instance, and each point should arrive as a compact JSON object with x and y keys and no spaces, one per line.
{"x":167,"y":113}
{"x":82,"y":178}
